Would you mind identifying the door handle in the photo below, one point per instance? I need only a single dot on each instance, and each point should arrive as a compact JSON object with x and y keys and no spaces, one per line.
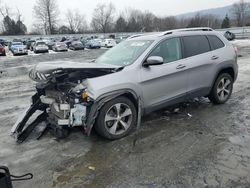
{"x":180,"y":66}
{"x":214,"y":57}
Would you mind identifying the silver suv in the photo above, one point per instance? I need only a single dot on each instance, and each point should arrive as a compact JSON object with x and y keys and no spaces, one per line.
{"x":140,"y":75}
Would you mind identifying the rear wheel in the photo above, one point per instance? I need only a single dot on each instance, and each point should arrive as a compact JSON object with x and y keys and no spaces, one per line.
{"x":116,"y":119}
{"x":222,"y":89}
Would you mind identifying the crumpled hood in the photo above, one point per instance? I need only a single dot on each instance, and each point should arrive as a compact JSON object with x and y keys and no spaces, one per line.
{"x":49,"y":67}
{"x":44,"y":71}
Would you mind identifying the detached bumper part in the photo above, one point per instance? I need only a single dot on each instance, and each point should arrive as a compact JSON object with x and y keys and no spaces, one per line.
{"x":21,"y":131}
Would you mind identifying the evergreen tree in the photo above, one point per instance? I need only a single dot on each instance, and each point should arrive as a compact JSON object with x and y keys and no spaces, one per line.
{"x":226,"y":22}
{"x":121,"y":25}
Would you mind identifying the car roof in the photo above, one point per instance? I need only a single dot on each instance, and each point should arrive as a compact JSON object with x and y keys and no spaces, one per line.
{"x":17,"y":43}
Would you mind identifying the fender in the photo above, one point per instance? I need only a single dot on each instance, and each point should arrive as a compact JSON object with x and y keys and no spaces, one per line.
{"x":225,"y":66}
{"x":102,"y":100}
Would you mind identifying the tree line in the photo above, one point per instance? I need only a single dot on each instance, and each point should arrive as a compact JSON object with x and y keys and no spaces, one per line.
{"x":106,"y":20}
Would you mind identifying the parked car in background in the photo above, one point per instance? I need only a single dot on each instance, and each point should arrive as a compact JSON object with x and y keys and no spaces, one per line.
{"x":2,"y":42}
{"x":17,"y":40}
{"x":69,"y":41}
{"x":76,"y":45}
{"x":50,"y":44}
{"x":2,"y":50}
{"x":84,"y":41}
{"x":18,"y":48}
{"x":229,"y":35}
{"x":32,"y":46}
{"x":60,"y":47}
{"x":108,"y":43}
{"x":40,"y":47}
{"x":29,"y":42}
{"x":93,"y":44}
{"x":118,"y":40}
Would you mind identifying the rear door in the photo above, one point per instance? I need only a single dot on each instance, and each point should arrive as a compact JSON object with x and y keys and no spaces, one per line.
{"x":164,"y":84}
{"x":200,"y":63}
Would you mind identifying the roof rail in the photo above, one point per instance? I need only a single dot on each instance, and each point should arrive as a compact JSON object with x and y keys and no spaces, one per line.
{"x":187,"y":29}
{"x":135,"y":36}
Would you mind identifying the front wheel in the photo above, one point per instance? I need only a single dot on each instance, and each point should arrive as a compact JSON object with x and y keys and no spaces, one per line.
{"x":222,"y":89}
{"x":116,"y":119}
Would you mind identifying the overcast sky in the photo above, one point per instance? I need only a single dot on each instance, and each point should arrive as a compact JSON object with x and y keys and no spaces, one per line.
{"x":158,"y":7}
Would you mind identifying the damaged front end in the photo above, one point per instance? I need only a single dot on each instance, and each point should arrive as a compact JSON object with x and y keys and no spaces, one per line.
{"x":62,"y":98}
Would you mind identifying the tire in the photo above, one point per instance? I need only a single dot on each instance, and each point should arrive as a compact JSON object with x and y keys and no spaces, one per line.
{"x":222,"y":89}
{"x":4,"y":54}
{"x":113,"y":127}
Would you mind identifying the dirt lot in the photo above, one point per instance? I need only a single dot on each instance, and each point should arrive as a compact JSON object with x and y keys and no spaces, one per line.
{"x":202,"y":145}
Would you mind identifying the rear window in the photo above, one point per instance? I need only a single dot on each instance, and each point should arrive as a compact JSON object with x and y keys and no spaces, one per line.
{"x":215,"y":42}
{"x":195,"y":45}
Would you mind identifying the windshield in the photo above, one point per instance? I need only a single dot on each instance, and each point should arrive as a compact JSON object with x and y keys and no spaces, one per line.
{"x":124,"y":53}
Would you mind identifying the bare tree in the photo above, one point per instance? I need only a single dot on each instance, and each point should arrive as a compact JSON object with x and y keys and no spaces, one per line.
{"x":76,"y":22}
{"x":46,"y":12}
{"x":240,"y":12}
{"x":166,"y":23}
{"x":4,"y":10}
{"x":147,"y":21}
{"x":103,"y":17}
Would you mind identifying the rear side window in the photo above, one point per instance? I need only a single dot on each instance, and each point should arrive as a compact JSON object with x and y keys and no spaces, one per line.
{"x":215,"y":42}
{"x":195,"y":45}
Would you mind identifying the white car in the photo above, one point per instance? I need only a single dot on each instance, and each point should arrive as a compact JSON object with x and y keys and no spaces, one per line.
{"x":108,"y":43}
{"x":40,"y":47}
{"x":60,"y":47}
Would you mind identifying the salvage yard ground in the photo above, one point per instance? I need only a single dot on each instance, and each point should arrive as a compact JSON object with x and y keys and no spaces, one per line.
{"x":196,"y":144}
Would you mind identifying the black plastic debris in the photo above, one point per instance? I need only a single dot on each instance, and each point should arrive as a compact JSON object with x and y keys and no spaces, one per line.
{"x":6,"y":178}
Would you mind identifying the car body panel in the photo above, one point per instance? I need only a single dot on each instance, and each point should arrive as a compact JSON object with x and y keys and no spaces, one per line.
{"x":162,"y":83}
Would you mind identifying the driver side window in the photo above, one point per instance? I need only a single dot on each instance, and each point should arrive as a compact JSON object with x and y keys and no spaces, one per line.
{"x":169,"y":50}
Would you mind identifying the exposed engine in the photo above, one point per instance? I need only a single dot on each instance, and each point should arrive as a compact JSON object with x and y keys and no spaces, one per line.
{"x":61,"y":95}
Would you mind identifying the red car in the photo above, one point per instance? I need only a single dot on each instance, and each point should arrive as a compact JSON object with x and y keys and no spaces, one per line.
{"x":2,"y":50}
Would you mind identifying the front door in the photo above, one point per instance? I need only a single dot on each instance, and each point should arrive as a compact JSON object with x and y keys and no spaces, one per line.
{"x":167,"y":83}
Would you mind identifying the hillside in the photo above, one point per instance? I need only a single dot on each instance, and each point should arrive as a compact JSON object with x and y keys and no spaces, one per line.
{"x":220,"y":12}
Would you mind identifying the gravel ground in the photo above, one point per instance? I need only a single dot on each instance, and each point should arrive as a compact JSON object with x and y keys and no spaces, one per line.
{"x":202,"y":145}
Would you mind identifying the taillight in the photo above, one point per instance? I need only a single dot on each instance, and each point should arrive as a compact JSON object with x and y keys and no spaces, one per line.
{"x":236,"y":49}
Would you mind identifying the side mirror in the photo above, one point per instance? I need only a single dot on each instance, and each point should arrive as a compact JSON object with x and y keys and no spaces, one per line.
{"x":153,"y":60}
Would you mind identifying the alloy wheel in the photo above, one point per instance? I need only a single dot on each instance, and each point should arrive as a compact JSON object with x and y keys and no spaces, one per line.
{"x":118,"y":119}
{"x":224,"y":88}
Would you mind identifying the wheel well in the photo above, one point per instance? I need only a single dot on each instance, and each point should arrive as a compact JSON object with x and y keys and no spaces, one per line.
{"x":229,"y":70}
{"x":132,"y":98}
